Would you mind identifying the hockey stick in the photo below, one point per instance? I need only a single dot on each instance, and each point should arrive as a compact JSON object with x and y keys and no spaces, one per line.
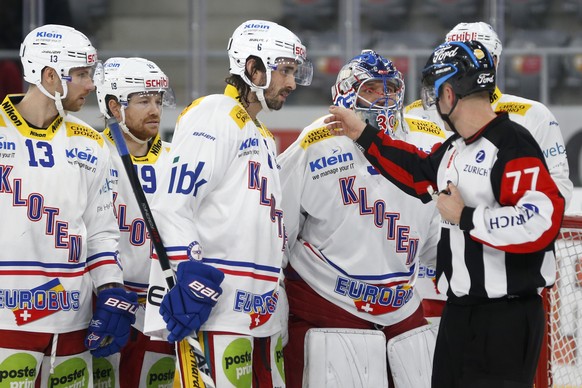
{"x":189,"y":348}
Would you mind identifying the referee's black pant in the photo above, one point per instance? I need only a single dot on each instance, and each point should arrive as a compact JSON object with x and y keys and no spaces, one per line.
{"x":491,"y":344}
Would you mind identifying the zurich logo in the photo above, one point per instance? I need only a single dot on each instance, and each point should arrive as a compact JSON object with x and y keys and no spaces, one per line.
{"x":531,"y":207}
{"x":480,"y":157}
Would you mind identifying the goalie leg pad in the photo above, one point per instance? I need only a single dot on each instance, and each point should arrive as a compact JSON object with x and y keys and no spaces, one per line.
{"x":345,"y":358}
{"x":410,"y":356}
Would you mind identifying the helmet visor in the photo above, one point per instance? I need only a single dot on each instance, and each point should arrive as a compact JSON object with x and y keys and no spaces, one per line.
{"x":429,"y":97}
{"x":302,"y":70}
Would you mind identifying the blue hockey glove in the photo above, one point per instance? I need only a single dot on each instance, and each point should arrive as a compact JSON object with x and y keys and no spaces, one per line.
{"x":111,"y":323}
{"x":187,"y":306}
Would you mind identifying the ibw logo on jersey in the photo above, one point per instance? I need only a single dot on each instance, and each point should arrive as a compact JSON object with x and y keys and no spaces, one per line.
{"x":185,"y":181}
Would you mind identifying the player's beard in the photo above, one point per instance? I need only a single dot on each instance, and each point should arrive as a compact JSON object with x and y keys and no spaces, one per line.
{"x":273,"y":101}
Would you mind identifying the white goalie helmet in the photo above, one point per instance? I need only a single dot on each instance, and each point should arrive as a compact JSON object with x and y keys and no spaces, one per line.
{"x":274,"y":45}
{"x":479,"y":31}
{"x":123,"y":77}
{"x":372,"y":86}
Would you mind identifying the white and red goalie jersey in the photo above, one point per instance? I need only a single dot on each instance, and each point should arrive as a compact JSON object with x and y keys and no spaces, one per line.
{"x":58,"y":231}
{"x":354,"y":237}
{"x":135,"y":247}
{"x":221,"y":192}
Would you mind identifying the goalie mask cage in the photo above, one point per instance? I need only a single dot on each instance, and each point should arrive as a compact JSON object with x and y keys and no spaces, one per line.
{"x":560,"y":363}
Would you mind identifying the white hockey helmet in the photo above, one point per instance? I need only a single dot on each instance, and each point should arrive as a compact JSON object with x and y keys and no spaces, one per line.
{"x":359,"y":75}
{"x":123,"y":77}
{"x":59,"y":47}
{"x":479,"y":31}
{"x":273,"y":44}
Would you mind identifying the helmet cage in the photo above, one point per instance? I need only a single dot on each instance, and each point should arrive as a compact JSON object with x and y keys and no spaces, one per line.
{"x":357,"y":76}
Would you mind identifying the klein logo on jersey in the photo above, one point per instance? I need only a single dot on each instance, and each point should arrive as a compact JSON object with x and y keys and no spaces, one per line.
{"x":85,"y":155}
{"x":480,"y":157}
{"x":6,"y":145}
{"x":327,"y":161}
{"x":248,"y":143}
{"x":202,"y":291}
{"x":513,"y":108}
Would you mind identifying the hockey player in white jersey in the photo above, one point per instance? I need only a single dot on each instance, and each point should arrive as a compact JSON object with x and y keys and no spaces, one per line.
{"x":218,"y":209}
{"x":532,"y":115}
{"x":134,"y":91}
{"x":58,"y":229}
{"x":354,"y":238}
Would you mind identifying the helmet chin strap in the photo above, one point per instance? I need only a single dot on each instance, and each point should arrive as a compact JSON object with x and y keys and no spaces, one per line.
{"x":58,"y":99}
{"x":259,"y":90}
{"x":127,"y":131}
{"x":446,"y":117}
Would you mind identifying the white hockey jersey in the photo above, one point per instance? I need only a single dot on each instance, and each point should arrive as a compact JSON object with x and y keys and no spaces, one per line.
{"x":354,"y":237}
{"x":221,"y":190}
{"x":58,"y":231}
{"x":536,"y":118}
{"x":135,"y":247}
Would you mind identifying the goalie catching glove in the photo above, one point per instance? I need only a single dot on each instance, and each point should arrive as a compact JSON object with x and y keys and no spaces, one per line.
{"x":187,"y":306}
{"x":111,"y":323}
